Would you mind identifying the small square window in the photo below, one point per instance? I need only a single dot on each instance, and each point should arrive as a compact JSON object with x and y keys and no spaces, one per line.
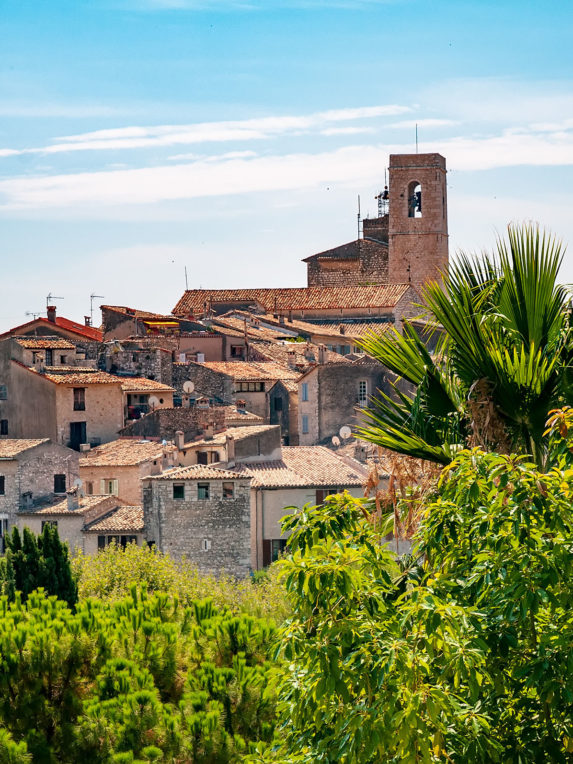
{"x":202,"y":490}
{"x":179,"y":491}
{"x":2,"y":485}
{"x":228,"y":490}
{"x":206,"y":545}
{"x":3,"y":427}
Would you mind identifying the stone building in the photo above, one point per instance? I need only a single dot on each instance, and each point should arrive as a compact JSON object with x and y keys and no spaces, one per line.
{"x":32,"y":472}
{"x":88,"y":523}
{"x":302,"y":475}
{"x":202,"y":513}
{"x":118,"y":467}
{"x":330,"y":395}
{"x":234,"y":444}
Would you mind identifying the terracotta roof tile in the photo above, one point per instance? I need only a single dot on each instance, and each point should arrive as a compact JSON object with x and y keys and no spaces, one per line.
{"x":238,"y":433}
{"x":253,"y":330}
{"x":142,"y":384}
{"x":233,"y":415}
{"x":304,"y":467}
{"x":121,"y":453}
{"x":85,"y":332}
{"x":11,"y":447}
{"x":40,"y":343}
{"x":86,"y":504}
{"x":128,"y":519}
{"x":251,"y":370}
{"x":349,"y":251}
{"x":297,"y":298}
{"x":199,"y":472}
{"x":136,"y":313}
{"x":79,"y":379}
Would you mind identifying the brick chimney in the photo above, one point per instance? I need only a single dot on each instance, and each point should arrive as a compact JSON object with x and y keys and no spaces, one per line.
{"x":52,"y":313}
{"x":73,"y":497}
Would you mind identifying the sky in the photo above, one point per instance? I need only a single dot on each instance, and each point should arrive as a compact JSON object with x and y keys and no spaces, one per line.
{"x":150,"y":144}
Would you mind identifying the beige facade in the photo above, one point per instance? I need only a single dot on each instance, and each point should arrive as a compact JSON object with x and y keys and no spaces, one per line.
{"x":103,"y":413}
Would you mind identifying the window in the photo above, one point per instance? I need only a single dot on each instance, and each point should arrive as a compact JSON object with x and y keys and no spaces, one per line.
{"x":63,"y":359}
{"x":79,"y":399}
{"x":250,"y":387}
{"x":51,"y":523}
{"x":2,"y":485}
{"x":202,"y":490}
{"x":277,"y":548}
{"x":414,"y":200}
{"x":59,"y":483}
{"x":304,"y":391}
{"x":322,"y":493}
{"x":178,"y":490}
{"x":89,"y":489}
{"x":109,"y":486}
{"x":123,"y":541}
{"x":3,"y":392}
{"x":362,"y":392}
{"x":202,"y":457}
{"x":237,"y":351}
{"x":228,"y":490}
{"x":206,"y":545}
{"x":49,"y":357}
{"x":3,"y":427}
{"x":305,"y":424}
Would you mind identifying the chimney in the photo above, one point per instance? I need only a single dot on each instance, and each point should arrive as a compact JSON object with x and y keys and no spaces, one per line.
{"x":209,"y":431}
{"x":321,"y":354}
{"x":179,"y":440}
{"x":52,"y":313}
{"x":230,"y":446}
{"x":291,"y":359}
{"x":73,"y":497}
{"x":87,"y":320}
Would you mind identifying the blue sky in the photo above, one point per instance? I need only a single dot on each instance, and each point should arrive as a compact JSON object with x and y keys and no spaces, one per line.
{"x":142,"y":137}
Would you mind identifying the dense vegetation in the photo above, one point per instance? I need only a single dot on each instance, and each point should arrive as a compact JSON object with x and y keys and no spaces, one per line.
{"x":462,"y":656}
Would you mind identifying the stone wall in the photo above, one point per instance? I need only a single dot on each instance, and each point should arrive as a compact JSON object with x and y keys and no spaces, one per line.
{"x":371,"y":267}
{"x":162,"y":424}
{"x":179,"y":527}
{"x":207,"y":382}
{"x":139,"y":358}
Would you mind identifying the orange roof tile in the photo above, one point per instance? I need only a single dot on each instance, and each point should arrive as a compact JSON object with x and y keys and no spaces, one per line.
{"x":144,"y":385}
{"x":304,"y":467}
{"x":237,"y":433}
{"x":121,"y":453}
{"x":85,"y":504}
{"x":199,"y":472}
{"x":40,"y":343}
{"x":251,"y":370}
{"x":128,"y":519}
{"x":297,"y":298}
{"x":11,"y":447}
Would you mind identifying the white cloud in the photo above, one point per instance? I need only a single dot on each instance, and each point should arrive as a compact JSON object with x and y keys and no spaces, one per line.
{"x":135,"y":137}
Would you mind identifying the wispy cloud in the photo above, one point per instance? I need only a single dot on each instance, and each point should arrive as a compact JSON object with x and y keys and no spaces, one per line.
{"x":136,"y":137}
{"x":238,"y":173}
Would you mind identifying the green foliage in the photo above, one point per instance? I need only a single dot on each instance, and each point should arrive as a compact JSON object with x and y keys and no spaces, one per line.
{"x":462,"y":656}
{"x":34,"y":561}
{"x":110,"y":574}
{"x":503,"y":362}
{"x":144,"y":678}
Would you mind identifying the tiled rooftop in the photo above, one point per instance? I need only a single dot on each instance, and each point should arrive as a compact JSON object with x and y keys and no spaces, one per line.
{"x":11,"y":447}
{"x":135,"y":313}
{"x":232,"y":414}
{"x":252,"y":370}
{"x":85,"y":504}
{"x":304,"y":467}
{"x":79,"y":379}
{"x":121,"y":453}
{"x":297,"y":298}
{"x":85,"y":332}
{"x":199,"y":472}
{"x":143,"y":385}
{"x":300,"y":354}
{"x":349,"y":251}
{"x":126,"y":519}
{"x":41,"y":343}
{"x":254,"y":330}
{"x":357,"y":329}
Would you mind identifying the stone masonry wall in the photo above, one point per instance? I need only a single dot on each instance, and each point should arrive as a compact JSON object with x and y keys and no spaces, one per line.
{"x":162,"y":424}
{"x":180,"y":526}
{"x":206,"y":381}
{"x":370,"y":268}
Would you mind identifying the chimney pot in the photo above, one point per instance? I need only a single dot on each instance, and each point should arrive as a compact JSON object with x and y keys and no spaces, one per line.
{"x":52,"y":313}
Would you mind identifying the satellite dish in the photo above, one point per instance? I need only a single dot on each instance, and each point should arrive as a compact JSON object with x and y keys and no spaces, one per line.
{"x":153,"y":401}
{"x":345,"y":432}
{"x":78,"y":482}
{"x":188,"y":386}
{"x":335,"y":440}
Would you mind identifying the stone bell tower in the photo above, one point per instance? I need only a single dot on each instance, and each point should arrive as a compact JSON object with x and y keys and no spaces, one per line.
{"x":418,"y":218}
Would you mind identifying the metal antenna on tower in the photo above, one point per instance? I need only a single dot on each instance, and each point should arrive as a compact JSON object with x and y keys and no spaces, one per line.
{"x":416,"y":137}
{"x":92,"y":297}
{"x":186,"y":284}
{"x":51,"y":296}
{"x":358,"y":217}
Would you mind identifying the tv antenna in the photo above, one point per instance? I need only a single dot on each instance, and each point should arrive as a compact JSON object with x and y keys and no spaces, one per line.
{"x":358,"y":217}
{"x":92,"y":298}
{"x":50,"y":297}
{"x":34,"y":313}
{"x":416,"y":137}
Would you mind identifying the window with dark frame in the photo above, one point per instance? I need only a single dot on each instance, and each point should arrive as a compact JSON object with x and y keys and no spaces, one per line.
{"x":79,"y":399}
{"x":179,"y":490}
{"x":2,"y":485}
{"x":202,"y":490}
{"x":3,"y":392}
{"x":228,"y":490}
{"x":59,"y":483}
{"x":3,"y":427}
{"x":49,"y":357}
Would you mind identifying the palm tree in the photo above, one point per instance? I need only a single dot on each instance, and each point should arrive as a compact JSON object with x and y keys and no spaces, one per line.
{"x":502,"y":362}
